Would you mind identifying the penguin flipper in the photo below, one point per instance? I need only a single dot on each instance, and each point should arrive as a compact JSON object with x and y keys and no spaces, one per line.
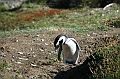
{"x":59,"y":53}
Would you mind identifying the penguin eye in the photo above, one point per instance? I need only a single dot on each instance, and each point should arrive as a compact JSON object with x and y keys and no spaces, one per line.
{"x":60,"y":42}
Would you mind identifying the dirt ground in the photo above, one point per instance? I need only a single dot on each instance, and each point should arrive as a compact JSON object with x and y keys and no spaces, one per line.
{"x":32,"y":56}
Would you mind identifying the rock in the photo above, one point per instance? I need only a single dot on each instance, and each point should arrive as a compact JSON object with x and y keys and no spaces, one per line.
{"x":22,"y":58}
{"x":20,"y":52}
{"x":37,"y":35}
{"x":16,"y":40}
{"x":34,"y":65}
{"x":42,"y":40}
{"x":46,"y":44}
{"x":111,"y":6}
{"x":35,"y":55}
{"x":41,"y":50}
{"x":19,"y":63}
{"x":12,"y":4}
{"x":12,"y":60}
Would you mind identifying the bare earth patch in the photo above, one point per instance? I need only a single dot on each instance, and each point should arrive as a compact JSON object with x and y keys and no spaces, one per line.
{"x":32,"y":56}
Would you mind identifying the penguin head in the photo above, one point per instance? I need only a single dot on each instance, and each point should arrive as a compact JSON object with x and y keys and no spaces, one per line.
{"x":59,"y":40}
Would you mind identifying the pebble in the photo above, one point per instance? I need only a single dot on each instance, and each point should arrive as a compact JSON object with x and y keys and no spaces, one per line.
{"x":23,"y":58}
{"x":12,"y":60}
{"x":4,"y":55}
{"x":34,"y":55}
{"x":41,"y":50}
{"x":20,"y":52}
{"x":19,"y":63}
{"x":13,"y":56}
{"x":16,"y":40}
{"x":37,"y":35}
{"x":42,"y":40}
{"x":46,"y":44}
{"x":34,"y":65}
{"x":88,"y":34}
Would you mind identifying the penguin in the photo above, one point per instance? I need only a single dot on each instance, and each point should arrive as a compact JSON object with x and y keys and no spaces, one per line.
{"x":68,"y":47}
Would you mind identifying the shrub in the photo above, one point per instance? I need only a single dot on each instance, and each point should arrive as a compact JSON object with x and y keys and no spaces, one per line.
{"x":113,"y":23}
{"x":105,"y":64}
{"x":3,"y":8}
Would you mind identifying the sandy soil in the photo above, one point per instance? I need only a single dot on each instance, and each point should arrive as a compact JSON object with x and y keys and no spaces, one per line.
{"x":32,"y":56}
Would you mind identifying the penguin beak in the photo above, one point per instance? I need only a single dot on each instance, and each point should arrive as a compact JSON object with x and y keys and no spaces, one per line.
{"x":56,"y":48}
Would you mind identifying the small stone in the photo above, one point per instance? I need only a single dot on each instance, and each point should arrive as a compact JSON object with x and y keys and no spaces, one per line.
{"x":4,"y":55}
{"x":117,"y":11}
{"x":9,"y":68}
{"x":41,"y":50}
{"x":88,"y":34}
{"x":16,"y":40}
{"x":46,"y":44}
{"x":12,"y":60}
{"x":54,"y":71}
{"x":23,"y":58}
{"x":37,"y":35}
{"x":34,"y":65}
{"x":31,"y":49}
{"x":20,"y":52}
{"x":19,"y":63}
{"x":42,"y":40}
{"x":13,"y":56}
{"x":34,"y":55}
{"x":94,"y":33}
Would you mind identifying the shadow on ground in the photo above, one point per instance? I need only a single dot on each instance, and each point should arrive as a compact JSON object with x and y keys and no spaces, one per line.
{"x":79,"y":72}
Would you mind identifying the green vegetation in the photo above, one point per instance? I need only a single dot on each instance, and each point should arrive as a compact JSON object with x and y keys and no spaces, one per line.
{"x":113,"y":23}
{"x":105,"y":64}
{"x":102,"y":64}
{"x":35,"y":16}
{"x":3,"y":8}
{"x":3,"y":65}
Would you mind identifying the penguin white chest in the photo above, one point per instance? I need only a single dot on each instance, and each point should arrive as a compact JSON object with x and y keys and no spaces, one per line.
{"x":69,"y":49}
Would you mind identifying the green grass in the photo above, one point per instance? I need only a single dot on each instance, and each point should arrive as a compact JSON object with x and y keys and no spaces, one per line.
{"x":3,"y":65}
{"x":102,"y":64}
{"x":76,"y":19}
{"x":105,"y":64}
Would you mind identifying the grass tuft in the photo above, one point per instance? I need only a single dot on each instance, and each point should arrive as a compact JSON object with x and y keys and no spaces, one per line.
{"x":3,"y":65}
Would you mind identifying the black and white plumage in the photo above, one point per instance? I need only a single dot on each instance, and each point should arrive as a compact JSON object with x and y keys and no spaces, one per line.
{"x":69,"y":48}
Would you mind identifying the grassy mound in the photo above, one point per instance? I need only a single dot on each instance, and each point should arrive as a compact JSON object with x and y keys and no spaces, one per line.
{"x":105,"y":64}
